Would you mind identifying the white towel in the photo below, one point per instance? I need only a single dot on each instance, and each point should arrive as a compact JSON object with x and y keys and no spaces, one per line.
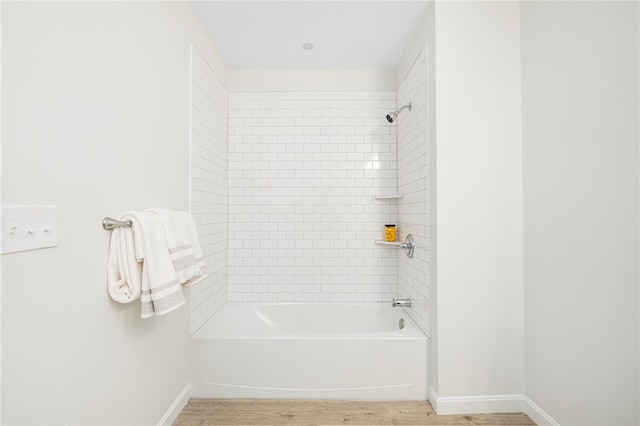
{"x":124,"y":274}
{"x":184,"y":245}
{"x":160,"y":291}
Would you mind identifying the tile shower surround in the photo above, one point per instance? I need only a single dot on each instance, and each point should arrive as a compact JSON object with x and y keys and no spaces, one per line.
{"x":209,"y":188}
{"x":303,"y":170}
{"x":296,"y":181}
{"x":414,"y":275}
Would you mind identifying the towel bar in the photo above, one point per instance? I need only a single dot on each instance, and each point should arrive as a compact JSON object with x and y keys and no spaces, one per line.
{"x":108,"y":223}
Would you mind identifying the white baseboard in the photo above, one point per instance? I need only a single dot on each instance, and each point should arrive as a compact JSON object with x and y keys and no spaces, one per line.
{"x":172,"y":413}
{"x":490,"y":404}
{"x":476,"y":404}
{"x":432,"y":396}
{"x":536,"y":414}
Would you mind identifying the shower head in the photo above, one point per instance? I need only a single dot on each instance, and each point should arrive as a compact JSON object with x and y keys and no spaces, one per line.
{"x":391,"y":117}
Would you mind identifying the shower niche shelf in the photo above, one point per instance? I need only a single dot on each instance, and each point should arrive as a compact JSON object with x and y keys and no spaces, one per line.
{"x":388,"y":243}
{"x":388,"y":197}
{"x":392,"y":197}
{"x":408,"y":246}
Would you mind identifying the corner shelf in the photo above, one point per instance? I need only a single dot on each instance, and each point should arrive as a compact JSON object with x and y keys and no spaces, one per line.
{"x":388,"y":197}
{"x":387,"y":243}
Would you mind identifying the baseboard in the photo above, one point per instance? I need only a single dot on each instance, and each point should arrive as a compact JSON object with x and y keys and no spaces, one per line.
{"x":433,"y":398}
{"x":172,"y":413}
{"x":538,"y":415}
{"x":476,"y":404}
{"x":490,"y":404}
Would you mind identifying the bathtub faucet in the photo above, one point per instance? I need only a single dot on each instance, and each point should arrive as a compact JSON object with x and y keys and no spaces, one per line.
{"x":402,"y":302}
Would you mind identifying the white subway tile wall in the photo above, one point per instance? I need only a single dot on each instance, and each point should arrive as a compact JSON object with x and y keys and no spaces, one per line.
{"x":414,"y":275}
{"x":304,"y":168}
{"x":209,"y":186}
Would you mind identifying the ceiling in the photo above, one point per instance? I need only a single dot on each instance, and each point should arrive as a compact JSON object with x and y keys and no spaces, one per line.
{"x":346,"y":34}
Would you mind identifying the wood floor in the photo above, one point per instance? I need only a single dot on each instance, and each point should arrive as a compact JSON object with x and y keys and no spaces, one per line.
{"x":307,"y":412}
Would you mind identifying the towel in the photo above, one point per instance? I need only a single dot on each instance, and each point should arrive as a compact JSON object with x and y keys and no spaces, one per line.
{"x":184,"y":245}
{"x":124,"y":273}
{"x":160,"y":290}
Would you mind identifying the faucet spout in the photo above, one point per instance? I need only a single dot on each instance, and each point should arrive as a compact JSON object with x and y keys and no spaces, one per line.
{"x":406,"y":303}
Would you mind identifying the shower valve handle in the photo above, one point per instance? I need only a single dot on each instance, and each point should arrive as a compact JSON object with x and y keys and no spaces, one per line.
{"x":407,"y":246}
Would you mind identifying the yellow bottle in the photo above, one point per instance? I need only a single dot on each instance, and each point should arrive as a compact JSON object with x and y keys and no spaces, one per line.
{"x":390,"y":233}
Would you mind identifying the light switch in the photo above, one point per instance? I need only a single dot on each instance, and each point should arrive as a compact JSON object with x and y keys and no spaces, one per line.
{"x":28,"y":228}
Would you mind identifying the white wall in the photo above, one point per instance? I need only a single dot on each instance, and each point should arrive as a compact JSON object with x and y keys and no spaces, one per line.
{"x":96,"y":122}
{"x":304,"y":168}
{"x":479,"y":200}
{"x":0,"y":200}
{"x":414,"y":274}
{"x":209,"y":185}
{"x":424,"y":31}
{"x":580,"y":144}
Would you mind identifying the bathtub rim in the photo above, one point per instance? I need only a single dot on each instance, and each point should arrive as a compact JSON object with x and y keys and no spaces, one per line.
{"x":411,"y":331}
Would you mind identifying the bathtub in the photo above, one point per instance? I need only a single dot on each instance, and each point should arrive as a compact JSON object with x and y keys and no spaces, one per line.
{"x":310,"y":350}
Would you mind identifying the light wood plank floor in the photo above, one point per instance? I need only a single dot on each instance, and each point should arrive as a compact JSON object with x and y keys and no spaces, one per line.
{"x":311,"y":412}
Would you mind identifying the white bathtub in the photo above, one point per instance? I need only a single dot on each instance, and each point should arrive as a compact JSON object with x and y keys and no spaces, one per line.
{"x":310,"y":350}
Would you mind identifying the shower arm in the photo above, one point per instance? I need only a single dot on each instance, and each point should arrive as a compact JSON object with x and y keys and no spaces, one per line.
{"x":403,"y":107}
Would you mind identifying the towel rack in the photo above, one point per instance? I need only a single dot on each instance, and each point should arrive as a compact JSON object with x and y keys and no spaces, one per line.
{"x":108,"y":223}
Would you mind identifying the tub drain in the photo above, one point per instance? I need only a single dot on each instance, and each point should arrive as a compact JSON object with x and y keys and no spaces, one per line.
{"x":401,"y":323}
